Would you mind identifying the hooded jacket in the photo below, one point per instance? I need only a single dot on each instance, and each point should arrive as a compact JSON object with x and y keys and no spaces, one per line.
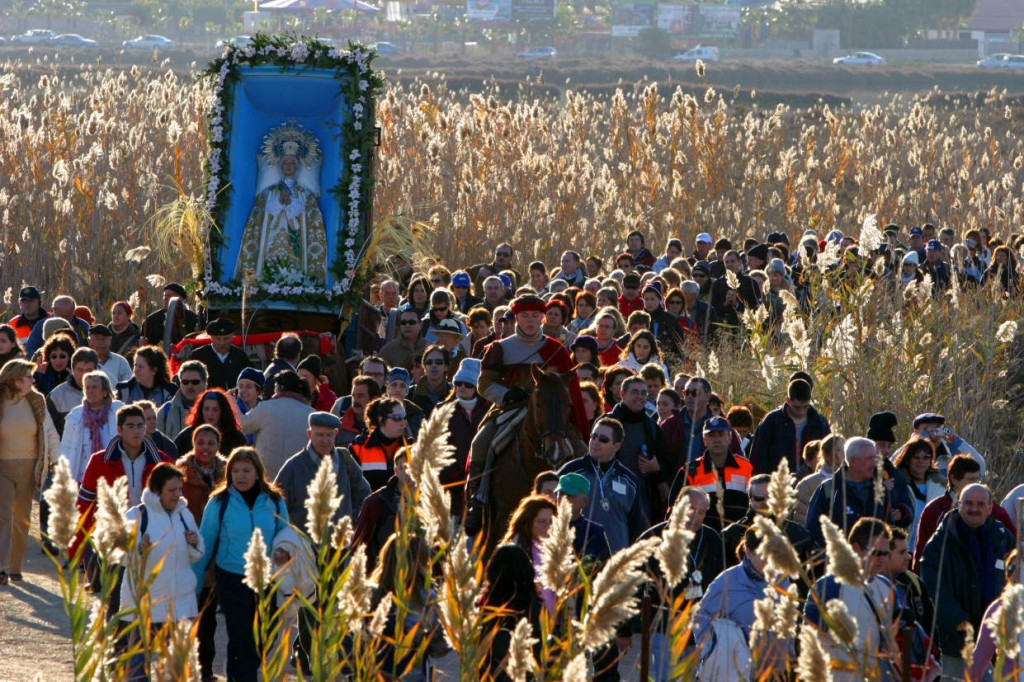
{"x":173,"y":586}
{"x":231,"y":531}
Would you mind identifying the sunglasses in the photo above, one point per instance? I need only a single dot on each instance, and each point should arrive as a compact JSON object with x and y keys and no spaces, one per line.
{"x":396,"y":417}
{"x":884,"y":553}
{"x":600,"y":438}
{"x":758,"y":498}
{"x":675,"y":303}
{"x":503,"y":254}
{"x":191,"y":382}
{"x":699,"y":274}
{"x":464,"y":384}
{"x":691,"y":392}
{"x":439,"y":310}
{"x":409,"y":323}
{"x":59,"y":356}
{"x":428,"y":363}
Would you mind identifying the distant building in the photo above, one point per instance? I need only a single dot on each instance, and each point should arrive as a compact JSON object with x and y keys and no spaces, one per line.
{"x":998,"y":21}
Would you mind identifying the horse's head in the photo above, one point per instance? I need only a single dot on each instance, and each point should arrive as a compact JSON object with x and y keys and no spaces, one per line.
{"x":550,"y":409}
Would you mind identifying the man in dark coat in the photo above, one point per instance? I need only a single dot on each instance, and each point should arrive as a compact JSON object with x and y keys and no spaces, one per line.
{"x":785,"y":431}
{"x":185,"y":321}
{"x":223,"y":360}
{"x":757,"y":493}
{"x":964,"y":572}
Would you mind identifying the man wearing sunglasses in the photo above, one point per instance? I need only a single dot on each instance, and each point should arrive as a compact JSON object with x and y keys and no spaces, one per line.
{"x":870,"y":606}
{"x":757,"y":493}
{"x":192,"y":379}
{"x":506,"y":380}
{"x":407,"y":348}
{"x":503,"y":256}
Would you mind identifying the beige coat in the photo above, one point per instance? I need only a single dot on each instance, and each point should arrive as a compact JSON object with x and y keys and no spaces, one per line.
{"x":47,"y":438}
{"x":280,"y":427}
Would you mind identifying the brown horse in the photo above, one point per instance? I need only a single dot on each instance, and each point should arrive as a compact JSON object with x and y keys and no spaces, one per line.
{"x":545,"y":440}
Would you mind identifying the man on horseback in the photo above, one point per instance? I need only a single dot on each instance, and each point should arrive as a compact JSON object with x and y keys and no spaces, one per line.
{"x":506,"y":379}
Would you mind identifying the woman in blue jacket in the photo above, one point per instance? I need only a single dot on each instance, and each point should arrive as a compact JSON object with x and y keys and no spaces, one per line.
{"x":244,"y":501}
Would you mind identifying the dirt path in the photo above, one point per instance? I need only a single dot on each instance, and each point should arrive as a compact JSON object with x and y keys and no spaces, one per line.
{"x":35,"y":633}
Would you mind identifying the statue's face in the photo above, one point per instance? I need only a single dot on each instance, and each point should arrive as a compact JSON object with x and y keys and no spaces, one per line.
{"x":289,"y":166}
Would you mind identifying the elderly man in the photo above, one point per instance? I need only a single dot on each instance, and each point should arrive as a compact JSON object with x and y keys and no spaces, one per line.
{"x":494,"y":293}
{"x":963,"y":569}
{"x":171,"y":418}
{"x":699,"y":314}
{"x":643,"y":450}
{"x":224,"y":361}
{"x":850,"y":494}
{"x":64,"y":308}
{"x":505,"y":380}
{"x":786,"y":430}
{"x":113,"y":365}
{"x":300,"y":469}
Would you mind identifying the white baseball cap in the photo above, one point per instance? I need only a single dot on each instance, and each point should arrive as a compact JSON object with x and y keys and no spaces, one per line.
{"x":704,"y":238}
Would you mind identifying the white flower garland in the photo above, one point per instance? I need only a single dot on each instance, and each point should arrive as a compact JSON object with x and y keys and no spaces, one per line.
{"x":299,"y":54}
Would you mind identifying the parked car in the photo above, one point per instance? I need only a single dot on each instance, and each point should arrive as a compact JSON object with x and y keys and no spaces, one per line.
{"x":538,"y":53}
{"x":236,"y":41}
{"x":384,"y":48}
{"x":994,"y":61}
{"x":148,"y":42}
{"x":704,"y":53}
{"x":34,"y":36}
{"x":1014,"y":62}
{"x":859,"y":58}
{"x":73,"y":40}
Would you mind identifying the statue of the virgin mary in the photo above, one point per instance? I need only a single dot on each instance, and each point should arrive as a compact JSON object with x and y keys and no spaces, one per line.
{"x":284,"y":239}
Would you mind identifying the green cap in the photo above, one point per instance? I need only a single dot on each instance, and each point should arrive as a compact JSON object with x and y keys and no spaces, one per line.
{"x":573,"y":484}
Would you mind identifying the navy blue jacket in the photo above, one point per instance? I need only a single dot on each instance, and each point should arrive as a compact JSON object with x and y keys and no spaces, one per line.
{"x":858,"y":502}
{"x":776,"y":439}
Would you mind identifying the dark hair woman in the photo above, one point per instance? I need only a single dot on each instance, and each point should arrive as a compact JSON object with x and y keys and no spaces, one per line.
{"x":917,"y":461}
{"x":407,"y":574}
{"x":528,"y":527}
{"x":375,"y":450}
{"x":418,"y":298}
{"x":215,"y":408}
{"x":244,"y":501}
{"x":9,"y":346}
{"x":151,"y":379}
{"x":57,"y":352}
{"x":510,"y":594}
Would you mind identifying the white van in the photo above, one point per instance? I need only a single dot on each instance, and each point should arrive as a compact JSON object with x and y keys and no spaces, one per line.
{"x":707,"y":53}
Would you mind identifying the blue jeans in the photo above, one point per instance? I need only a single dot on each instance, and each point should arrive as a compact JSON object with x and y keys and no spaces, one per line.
{"x":238,"y":604}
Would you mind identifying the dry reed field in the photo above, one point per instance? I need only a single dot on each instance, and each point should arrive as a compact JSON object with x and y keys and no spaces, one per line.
{"x":87,"y":155}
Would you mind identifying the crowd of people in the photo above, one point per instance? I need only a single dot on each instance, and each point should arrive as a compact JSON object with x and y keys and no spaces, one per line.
{"x":220,"y":447}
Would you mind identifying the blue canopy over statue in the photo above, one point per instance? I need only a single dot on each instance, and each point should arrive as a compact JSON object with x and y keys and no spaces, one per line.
{"x":292,"y":138}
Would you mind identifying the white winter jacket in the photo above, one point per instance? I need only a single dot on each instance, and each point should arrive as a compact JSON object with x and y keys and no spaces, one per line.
{"x":76,"y":444}
{"x":173,"y":588}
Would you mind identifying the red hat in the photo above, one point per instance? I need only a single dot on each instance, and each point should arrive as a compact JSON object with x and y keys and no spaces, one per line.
{"x":127,"y":307}
{"x":527,"y":303}
{"x":557,"y":302}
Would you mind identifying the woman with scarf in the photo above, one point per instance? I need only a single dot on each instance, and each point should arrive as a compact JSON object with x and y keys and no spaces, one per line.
{"x":89,"y":427}
{"x":28,"y":446}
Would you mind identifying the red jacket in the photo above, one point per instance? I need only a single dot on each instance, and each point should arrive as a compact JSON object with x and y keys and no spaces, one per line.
{"x":626,"y":306}
{"x":108,"y":465}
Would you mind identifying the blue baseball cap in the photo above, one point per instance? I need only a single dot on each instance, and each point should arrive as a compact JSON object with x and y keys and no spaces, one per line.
{"x":916,"y":232}
{"x":934,"y":245}
{"x":717,"y":424}
{"x":460,"y":279}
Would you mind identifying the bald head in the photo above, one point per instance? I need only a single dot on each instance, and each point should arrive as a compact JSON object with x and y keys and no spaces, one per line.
{"x":975,"y":504}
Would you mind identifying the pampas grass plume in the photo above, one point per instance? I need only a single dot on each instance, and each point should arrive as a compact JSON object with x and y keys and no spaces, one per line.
{"x":843,"y":562}
{"x":675,"y":542}
{"x":1006,"y":621}
{"x":557,"y":559}
{"x":257,"y":563}
{"x":813,"y":663}
{"x":112,"y":536}
{"x":841,"y":623}
{"x":777,"y":549}
{"x":614,"y":593}
{"x":61,"y":496}
{"x":321,"y":501}
{"x":781,"y":493}
{"x":357,"y":592}
{"x":521,"y":662}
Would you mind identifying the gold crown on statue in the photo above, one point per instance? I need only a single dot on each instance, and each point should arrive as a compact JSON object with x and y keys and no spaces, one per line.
{"x":291,"y":140}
